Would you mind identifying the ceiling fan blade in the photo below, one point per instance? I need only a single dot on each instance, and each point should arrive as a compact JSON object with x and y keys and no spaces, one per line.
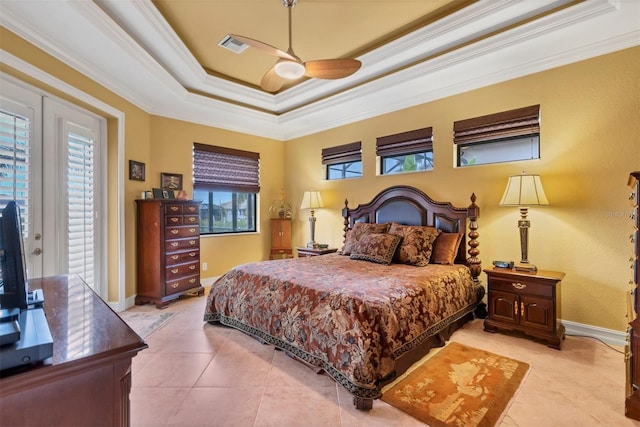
{"x":271,"y":82}
{"x":267,"y":48}
{"x":331,"y":68}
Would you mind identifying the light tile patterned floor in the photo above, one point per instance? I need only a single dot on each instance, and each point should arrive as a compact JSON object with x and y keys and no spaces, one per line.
{"x":196,"y":374}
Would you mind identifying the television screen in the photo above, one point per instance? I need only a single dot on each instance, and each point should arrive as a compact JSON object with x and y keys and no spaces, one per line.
{"x":14,"y":292}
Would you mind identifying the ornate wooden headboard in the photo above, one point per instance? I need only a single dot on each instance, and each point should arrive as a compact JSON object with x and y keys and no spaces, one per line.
{"x":408,"y":205}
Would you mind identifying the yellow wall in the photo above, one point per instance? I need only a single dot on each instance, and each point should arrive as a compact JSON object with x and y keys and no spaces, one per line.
{"x":590,"y":141}
{"x":172,"y":150}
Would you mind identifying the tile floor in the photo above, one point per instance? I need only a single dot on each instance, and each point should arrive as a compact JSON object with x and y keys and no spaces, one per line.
{"x":197,"y":374}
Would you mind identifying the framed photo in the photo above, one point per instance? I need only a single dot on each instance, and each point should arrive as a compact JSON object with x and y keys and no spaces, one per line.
{"x":157,"y":193}
{"x":136,"y":170}
{"x":171,"y":181}
{"x":168,"y":194}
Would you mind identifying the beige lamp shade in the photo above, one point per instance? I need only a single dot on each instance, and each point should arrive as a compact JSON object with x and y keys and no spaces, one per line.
{"x":311,"y":200}
{"x":524,"y":190}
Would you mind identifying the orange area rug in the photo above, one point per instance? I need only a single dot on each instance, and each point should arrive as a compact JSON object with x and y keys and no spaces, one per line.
{"x":458,"y":386}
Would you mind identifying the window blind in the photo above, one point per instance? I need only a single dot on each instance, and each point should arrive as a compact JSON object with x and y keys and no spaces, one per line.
{"x":507,"y":124}
{"x":225,"y":169}
{"x":342,"y":153}
{"x":414,"y":141}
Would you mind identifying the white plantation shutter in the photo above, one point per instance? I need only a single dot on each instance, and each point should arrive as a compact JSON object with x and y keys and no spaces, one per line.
{"x":15,"y":152}
{"x":81,"y":200}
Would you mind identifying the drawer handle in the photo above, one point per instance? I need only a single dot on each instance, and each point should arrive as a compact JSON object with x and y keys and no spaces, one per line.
{"x":191,"y":209}
{"x":174,"y":270}
{"x":173,"y":219}
{"x":522,"y":308}
{"x":192,"y":230}
{"x":515,"y":309}
{"x":175,"y":231}
{"x":192,"y":280}
{"x":174,"y":244}
{"x":192,"y":219}
{"x":192,"y":254}
{"x":174,"y":257}
{"x":192,"y":267}
{"x":192,"y":242}
{"x":174,"y":208}
{"x":174,"y":285}
{"x":518,"y":286}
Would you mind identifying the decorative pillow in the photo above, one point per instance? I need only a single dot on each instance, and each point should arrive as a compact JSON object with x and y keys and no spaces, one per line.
{"x":360,"y":229}
{"x":445,"y":248}
{"x":416,"y":245}
{"x":376,"y":247}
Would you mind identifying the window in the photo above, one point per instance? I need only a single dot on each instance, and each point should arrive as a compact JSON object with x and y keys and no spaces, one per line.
{"x":406,"y":151}
{"x":227,"y":181}
{"x":497,"y":138}
{"x":343,"y":161}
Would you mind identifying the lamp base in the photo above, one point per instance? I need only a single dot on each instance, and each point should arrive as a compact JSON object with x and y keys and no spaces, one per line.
{"x":521,"y":266}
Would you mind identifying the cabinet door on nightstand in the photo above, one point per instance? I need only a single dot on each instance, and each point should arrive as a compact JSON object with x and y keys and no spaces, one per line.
{"x":503,"y":306}
{"x":536,"y":313}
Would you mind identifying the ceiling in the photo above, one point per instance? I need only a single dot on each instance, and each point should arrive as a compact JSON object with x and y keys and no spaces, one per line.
{"x":164,"y":57}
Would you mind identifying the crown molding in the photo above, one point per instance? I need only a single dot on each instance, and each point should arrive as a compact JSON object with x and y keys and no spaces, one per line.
{"x":151,"y":68}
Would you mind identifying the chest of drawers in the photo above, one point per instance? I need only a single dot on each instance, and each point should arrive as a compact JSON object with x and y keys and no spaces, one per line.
{"x":167,"y":250}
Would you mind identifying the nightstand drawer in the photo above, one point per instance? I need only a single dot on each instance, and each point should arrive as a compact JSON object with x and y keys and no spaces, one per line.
{"x":522,"y":287}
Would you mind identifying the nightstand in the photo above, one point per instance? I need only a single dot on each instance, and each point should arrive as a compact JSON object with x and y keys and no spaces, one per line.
{"x":528,"y":302}
{"x":305,"y":252}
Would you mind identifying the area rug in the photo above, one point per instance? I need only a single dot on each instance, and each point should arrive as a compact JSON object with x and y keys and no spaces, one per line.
{"x":144,"y":324}
{"x":458,"y":386}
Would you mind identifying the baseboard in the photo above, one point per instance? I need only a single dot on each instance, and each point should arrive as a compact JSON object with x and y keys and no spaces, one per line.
{"x":609,"y":336}
{"x":208,"y":281}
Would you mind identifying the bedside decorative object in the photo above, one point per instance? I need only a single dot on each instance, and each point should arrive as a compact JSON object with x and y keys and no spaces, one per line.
{"x":528,"y":302}
{"x":312,"y":200}
{"x":281,"y":208}
{"x":306,"y":252}
{"x":524,"y":190}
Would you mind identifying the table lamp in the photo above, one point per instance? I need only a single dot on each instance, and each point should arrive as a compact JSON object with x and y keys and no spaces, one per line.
{"x":312,"y":200}
{"x":524,"y":190}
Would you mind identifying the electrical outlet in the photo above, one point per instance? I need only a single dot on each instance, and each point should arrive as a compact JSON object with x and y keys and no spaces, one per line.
{"x":204,"y":266}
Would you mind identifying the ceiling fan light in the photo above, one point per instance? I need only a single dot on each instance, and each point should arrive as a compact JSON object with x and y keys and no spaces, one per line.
{"x":289,"y":70}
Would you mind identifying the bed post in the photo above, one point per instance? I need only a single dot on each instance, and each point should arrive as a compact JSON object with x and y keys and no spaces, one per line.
{"x":345,"y":215}
{"x":474,"y":263}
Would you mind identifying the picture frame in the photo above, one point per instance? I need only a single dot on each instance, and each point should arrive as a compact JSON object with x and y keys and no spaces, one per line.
{"x":168,"y":194}
{"x":171,"y":181}
{"x":157,"y":193}
{"x":136,"y":171}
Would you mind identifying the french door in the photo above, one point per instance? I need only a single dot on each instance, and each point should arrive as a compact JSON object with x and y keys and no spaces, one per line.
{"x":51,"y":164}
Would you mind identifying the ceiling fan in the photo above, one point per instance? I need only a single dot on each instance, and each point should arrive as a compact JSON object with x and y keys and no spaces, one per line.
{"x":290,"y":67}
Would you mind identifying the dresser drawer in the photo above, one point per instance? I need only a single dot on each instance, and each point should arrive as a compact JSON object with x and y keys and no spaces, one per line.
{"x":177,"y":271}
{"x":171,"y":209}
{"x":191,"y":220}
{"x":175,"y":245}
{"x":174,"y":220}
{"x":522,"y":287}
{"x":178,"y":232}
{"x":183,"y":284}
{"x":191,"y":210}
{"x":182,"y":257}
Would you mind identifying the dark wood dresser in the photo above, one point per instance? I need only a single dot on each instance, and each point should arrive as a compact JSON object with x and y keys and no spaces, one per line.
{"x":632,"y":353}
{"x":88,"y":380}
{"x":167,"y":250}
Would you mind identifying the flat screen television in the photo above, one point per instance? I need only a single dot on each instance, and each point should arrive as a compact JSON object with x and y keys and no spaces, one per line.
{"x":14,"y":290}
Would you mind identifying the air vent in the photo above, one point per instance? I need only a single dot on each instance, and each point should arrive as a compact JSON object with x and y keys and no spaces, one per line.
{"x":232,"y":44}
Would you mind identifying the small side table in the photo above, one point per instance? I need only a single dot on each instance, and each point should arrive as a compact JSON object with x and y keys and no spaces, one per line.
{"x":525,"y":302}
{"x":305,"y":252}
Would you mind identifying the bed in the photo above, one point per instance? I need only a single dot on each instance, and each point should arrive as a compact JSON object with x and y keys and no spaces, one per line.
{"x":367,"y":313}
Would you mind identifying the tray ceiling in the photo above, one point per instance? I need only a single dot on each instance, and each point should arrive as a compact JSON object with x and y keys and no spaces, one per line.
{"x":164,"y":56}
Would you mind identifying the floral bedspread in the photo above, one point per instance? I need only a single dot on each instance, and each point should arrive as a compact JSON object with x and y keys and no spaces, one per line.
{"x":351,"y":318}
